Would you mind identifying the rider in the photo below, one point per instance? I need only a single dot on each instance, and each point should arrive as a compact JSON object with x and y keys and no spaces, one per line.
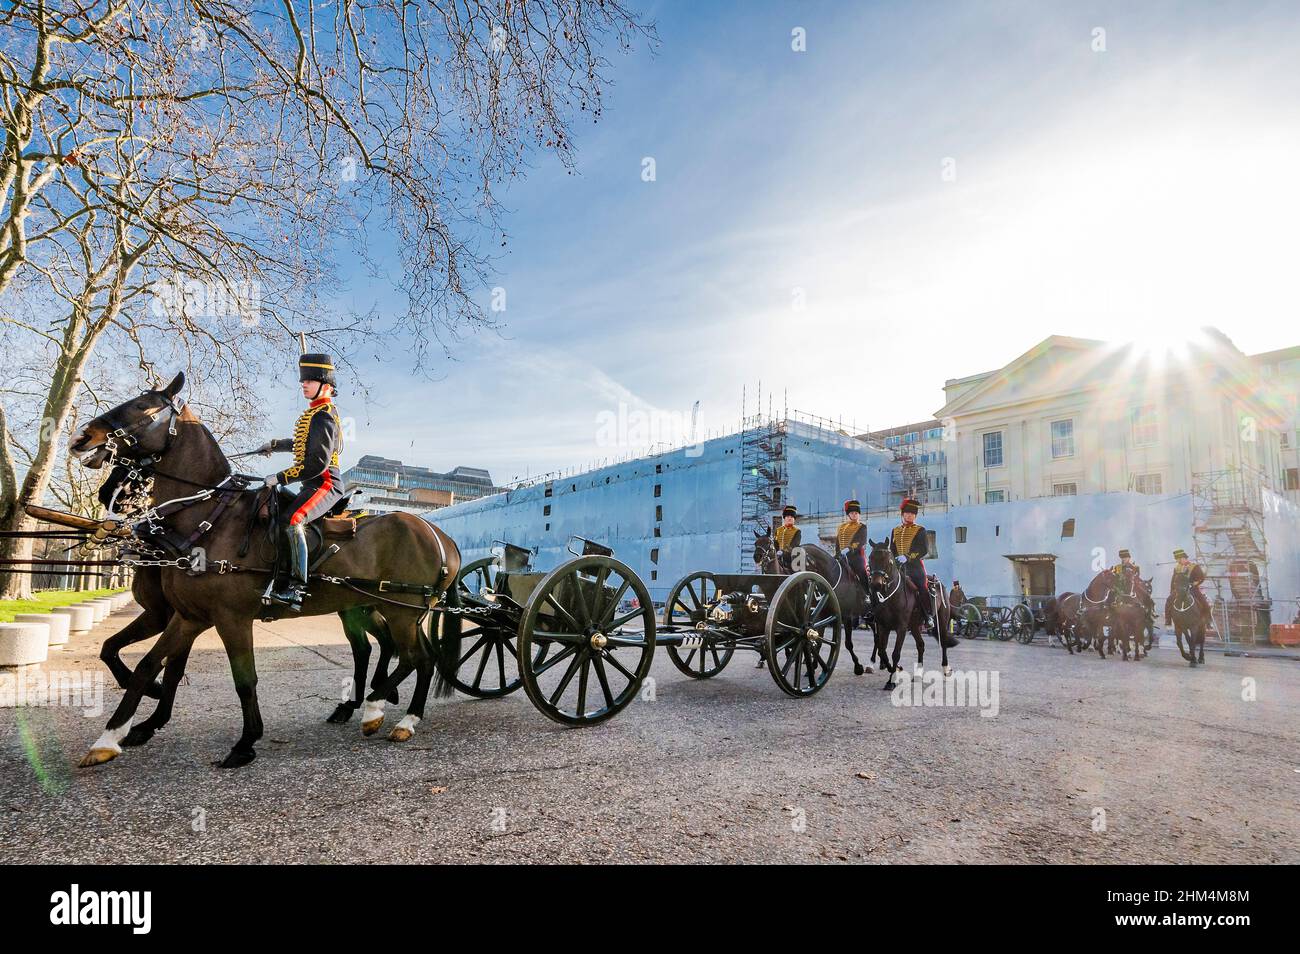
{"x":316,"y":444}
{"x":1126,"y":565}
{"x":787,"y":538}
{"x":909,"y":545}
{"x":956,"y":595}
{"x":1196,"y":575}
{"x":851,"y":538}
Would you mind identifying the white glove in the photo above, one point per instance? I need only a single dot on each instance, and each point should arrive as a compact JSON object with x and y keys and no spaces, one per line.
{"x":272,"y":480}
{"x":901,"y":559}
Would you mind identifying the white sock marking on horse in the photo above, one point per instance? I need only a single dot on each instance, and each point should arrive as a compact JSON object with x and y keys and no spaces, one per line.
{"x":409,"y":722}
{"x":111,"y":737}
{"x":947,"y":670}
{"x":372,"y":710}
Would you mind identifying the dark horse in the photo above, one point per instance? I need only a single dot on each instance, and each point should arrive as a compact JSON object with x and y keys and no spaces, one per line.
{"x":196,"y":498}
{"x":853,"y":600}
{"x":895,"y":608}
{"x":1113,"y":613}
{"x":1187,"y":619}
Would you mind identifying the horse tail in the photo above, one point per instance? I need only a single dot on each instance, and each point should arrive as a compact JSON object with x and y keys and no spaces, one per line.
{"x":444,"y":647}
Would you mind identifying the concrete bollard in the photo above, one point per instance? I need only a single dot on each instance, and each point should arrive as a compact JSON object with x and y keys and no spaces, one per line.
{"x":106,"y":603}
{"x":58,"y":624}
{"x":80,"y":618}
{"x":97,"y":611}
{"x":24,"y":644}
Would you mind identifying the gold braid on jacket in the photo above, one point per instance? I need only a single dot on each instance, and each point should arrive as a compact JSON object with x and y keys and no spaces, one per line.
{"x":300,"y":431}
{"x":844,"y":536}
{"x":904,"y":533}
{"x":784,"y":535}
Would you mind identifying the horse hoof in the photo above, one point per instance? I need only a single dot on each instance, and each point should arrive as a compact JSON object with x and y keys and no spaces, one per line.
{"x":400,"y":734}
{"x":887,"y":687}
{"x":371,"y":726}
{"x":341,"y":713}
{"x":857,"y":669}
{"x":237,"y":758}
{"x":869,"y":669}
{"x":138,"y":736}
{"x":947,"y":670}
{"x":98,"y":757}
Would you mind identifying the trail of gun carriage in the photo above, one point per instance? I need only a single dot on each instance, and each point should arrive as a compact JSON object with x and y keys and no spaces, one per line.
{"x":178,"y":306}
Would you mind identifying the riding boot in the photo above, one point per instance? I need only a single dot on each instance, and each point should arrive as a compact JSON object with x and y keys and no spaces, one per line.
{"x":295,"y":584}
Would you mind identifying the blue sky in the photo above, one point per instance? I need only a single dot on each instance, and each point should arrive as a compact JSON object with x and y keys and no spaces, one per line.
{"x":800,"y":229}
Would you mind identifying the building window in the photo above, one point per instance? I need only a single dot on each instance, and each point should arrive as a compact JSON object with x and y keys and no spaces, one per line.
{"x":1063,"y":438}
{"x":546,"y":511}
{"x":1146,"y":425}
{"x":1286,"y":439}
{"x":995,"y":496}
{"x":1148,"y":484}
{"x":1067,"y":528}
{"x":993,"y":449}
{"x":657,"y":533}
{"x":654,"y":574}
{"x":659,"y":489}
{"x":548,"y":526}
{"x":931,"y":546}
{"x":548,"y":491}
{"x":1065,"y":490}
{"x":1293,"y":478}
{"x":654,"y":555}
{"x":958,"y":534}
{"x":659,"y":511}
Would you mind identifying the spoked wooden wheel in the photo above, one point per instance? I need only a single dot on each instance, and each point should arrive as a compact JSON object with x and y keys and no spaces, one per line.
{"x":1022,"y":622}
{"x":803,"y":634}
{"x":487,"y":665}
{"x":686,"y":607}
{"x":599,"y":651}
{"x":970,"y":617}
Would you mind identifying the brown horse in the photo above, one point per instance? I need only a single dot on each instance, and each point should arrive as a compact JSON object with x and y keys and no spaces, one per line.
{"x":197,"y":500}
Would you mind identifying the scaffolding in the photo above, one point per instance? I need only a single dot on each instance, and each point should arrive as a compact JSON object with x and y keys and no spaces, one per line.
{"x":764,"y":479}
{"x":925,"y":481}
{"x":1232,"y":549}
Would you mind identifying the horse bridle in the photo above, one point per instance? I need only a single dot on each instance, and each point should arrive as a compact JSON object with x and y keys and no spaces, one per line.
{"x":897,"y":576}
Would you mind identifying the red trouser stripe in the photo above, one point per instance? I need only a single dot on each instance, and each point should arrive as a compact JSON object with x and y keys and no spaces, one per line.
{"x":311,"y":501}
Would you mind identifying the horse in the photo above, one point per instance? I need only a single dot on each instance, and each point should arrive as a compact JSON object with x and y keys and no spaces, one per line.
{"x":853,"y":601}
{"x":124,"y":488}
{"x":895,"y":608}
{"x":1063,"y":617}
{"x":854,"y":606}
{"x":195,"y":497}
{"x":1187,"y":619}
{"x":1106,"y":604}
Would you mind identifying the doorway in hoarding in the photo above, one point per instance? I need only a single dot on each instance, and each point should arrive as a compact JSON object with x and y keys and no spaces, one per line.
{"x":1035,"y":573}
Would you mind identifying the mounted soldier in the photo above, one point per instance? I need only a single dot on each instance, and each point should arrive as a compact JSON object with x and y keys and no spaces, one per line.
{"x":1126,"y":565}
{"x":1191,"y":575}
{"x":316,"y":444}
{"x":787,"y":537}
{"x":851,"y":539}
{"x":909,"y":545}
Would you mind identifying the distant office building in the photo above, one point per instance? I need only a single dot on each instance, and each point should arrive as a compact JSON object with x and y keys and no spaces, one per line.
{"x":387,"y":484}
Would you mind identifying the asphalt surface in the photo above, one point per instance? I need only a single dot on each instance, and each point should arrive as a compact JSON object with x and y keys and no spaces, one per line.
{"x":1085,"y":760}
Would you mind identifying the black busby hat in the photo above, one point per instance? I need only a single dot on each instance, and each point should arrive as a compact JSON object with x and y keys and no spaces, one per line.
{"x":1124,"y":553}
{"x":909,"y":506}
{"x":316,"y":367}
{"x":852,"y":506}
{"x":1180,"y":553}
{"x":789,"y":511}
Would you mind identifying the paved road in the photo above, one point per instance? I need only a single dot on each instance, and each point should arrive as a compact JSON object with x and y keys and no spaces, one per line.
{"x":1084,"y":760}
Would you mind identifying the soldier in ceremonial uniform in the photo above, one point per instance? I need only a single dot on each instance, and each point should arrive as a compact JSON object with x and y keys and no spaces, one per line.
{"x":851,"y":540}
{"x":316,"y":444}
{"x":1186,"y":568}
{"x":786,"y":538}
{"x":1126,"y":565}
{"x":909,"y":546}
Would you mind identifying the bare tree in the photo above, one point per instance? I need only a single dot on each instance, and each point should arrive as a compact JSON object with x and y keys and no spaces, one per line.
{"x":176,"y":177}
